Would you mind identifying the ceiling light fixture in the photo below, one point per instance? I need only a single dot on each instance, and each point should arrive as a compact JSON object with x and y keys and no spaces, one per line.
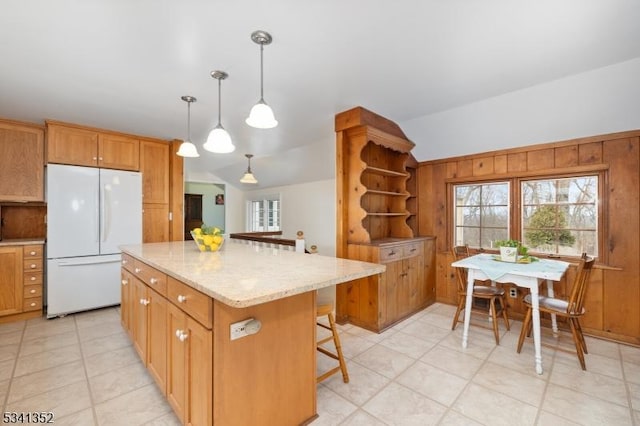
{"x":187,"y":148}
{"x":261,"y":115}
{"x":248,"y":176}
{"x":219,"y":140}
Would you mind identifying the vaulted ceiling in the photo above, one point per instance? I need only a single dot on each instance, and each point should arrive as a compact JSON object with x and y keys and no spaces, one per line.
{"x":124,"y":65}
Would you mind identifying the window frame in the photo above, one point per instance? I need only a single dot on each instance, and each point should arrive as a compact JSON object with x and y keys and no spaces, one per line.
{"x":515,"y":207}
{"x":264,"y":200}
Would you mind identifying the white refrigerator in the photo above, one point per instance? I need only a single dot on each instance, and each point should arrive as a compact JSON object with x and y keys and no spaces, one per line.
{"x":90,"y":213}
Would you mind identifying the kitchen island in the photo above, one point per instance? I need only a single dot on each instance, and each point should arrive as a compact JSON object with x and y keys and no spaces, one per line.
{"x":179,"y":306}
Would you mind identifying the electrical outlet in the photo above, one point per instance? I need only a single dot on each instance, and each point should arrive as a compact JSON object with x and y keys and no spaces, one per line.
{"x":513,"y":292}
{"x":244,"y":328}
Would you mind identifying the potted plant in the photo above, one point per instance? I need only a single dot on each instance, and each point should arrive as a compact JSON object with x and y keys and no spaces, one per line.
{"x":510,"y":250}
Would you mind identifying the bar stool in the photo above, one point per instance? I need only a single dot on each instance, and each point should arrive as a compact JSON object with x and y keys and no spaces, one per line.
{"x":327,"y":310}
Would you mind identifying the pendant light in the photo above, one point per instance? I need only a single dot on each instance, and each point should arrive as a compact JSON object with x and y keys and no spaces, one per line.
{"x":187,"y":148}
{"x":219,"y":140}
{"x":261,"y":115}
{"x":248,"y":176}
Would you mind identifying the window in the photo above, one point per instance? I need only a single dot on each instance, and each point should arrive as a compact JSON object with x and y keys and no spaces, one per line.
{"x":264,"y":215}
{"x":560,"y":216}
{"x":481,"y":213}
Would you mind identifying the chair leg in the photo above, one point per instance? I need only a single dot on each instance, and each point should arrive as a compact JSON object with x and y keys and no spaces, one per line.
{"x":577,"y":342}
{"x":523,"y":332}
{"x":336,"y":341}
{"x":503,"y":302}
{"x":461,"y":302}
{"x":494,"y":317}
{"x":584,"y":343}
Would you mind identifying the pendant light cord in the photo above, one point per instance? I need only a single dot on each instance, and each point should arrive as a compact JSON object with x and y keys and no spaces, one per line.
{"x":261,"y":72}
{"x":219,"y":102}
{"x":189,"y":120}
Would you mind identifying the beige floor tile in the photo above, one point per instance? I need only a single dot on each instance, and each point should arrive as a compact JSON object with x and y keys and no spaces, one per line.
{"x":437,"y":320}
{"x":118,"y":382}
{"x":636,"y":417}
{"x":47,"y":343}
{"x":634,"y":395}
{"x":362,"y":418}
{"x":61,"y":402}
{"x":81,"y":418}
{"x":4,"y":388}
{"x":370,"y":335}
{"x":478,"y":346}
{"x":453,"y":418}
{"x":452,"y":361}
{"x":523,"y":362}
{"x":353,"y":345}
{"x":597,"y":385}
{"x":425,"y":331}
{"x":631,"y":372}
{"x":363,"y":383}
{"x":133,"y":408}
{"x":603,"y":347}
{"x":96,"y":317}
{"x":548,"y":419}
{"x":397,"y":405}
{"x":332,"y":408}
{"x":105,"y":344}
{"x":527,"y":388}
{"x":595,"y":363}
{"x":384,"y":361}
{"x":407,"y":344}
{"x":109,"y":361}
{"x":483,"y":404}
{"x":50,"y":327}
{"x":168,"y":419}
{"x":630,"y":354}
{"x":101,"y":330}
{"x":428,"y":381}
{"x":43,"y":360}
{"x":11,"y":337}
{"x":442,"y":309}
{"x":46,"y":380}
{"x":11,"y":327}
{"x":582,"y":408}
{"x":6,"y":369}
{"x":8,"y":352}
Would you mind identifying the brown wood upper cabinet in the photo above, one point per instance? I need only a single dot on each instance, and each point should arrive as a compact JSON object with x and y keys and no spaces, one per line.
{"x":68,"y":144}
{"x":21,"y":162}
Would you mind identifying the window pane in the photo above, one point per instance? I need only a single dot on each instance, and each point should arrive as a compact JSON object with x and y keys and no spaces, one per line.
{"x":481,"y":213}
{"x":560,"y":216}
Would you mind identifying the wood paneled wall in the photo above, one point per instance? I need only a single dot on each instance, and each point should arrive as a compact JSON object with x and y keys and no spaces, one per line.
{"x":613,"y":300}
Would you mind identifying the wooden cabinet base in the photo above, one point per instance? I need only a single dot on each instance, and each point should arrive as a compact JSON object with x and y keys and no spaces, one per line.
{"x":20,"y":317}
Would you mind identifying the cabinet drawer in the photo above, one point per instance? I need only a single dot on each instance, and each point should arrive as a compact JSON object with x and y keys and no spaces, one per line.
{"x":32,"y":304}
{"x":34,"y":290}
{"x":32,"y":265}
{"x":32,"y":277}
{"x":194,"y":303}
{"x":389,"y":254}
{"x":128,"y":262}
{"x":151,"y":276}
{"x":413,"y":249}
{"x":32,"y":252}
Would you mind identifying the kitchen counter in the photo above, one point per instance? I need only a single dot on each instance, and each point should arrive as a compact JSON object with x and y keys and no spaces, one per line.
{"x":241,"y":275}
{"x":21,"y":241}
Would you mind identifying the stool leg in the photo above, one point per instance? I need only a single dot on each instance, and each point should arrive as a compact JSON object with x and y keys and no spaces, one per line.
{"x":336,"y":341}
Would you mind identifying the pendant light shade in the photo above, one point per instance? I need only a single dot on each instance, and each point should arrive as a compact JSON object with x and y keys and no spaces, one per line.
{"x":261,"y":115}
{"x":219,"y":140}
{"x":187,"y":148}
{"x":248,"y":176}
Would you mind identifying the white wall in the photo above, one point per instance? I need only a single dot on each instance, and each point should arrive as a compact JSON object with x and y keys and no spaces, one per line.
{"x":604,"y":100}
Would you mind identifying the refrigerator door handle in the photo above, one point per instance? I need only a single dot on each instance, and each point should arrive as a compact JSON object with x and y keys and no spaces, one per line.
{"x":83,"y":262}
{"x":106,"y":212}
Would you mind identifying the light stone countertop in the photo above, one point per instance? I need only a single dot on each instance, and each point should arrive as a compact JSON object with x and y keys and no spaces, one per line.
{"x":242,"y":275}
{"x":21,"y":241}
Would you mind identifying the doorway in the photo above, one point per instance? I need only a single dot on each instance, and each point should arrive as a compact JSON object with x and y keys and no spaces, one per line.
{"x":192,"y":213}
{"x":204,"y":204}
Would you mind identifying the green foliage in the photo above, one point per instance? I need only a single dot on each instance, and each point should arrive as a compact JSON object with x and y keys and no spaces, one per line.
{"x":545,"y":230}
{"x":522,"y":250}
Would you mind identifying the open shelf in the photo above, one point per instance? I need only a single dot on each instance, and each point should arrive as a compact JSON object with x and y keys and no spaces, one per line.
{"x":395,"y":194}
{"x":387,"y":214}
{"x":385,"y":172}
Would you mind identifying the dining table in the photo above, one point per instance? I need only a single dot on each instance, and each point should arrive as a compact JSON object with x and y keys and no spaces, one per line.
{"x":529,"y":275}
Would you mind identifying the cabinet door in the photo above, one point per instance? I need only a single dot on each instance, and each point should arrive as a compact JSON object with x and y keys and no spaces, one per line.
{"x":118,"y":152}
{"x":154,"y":165}
{"x":139,"y":317}
{"x":199,"y":375}
{"x":157,"y":335}
{"x":21,"y":163}
{"x":429,"y":271}
{"x":11,"y":271}
{"x":392,"y":285}
{"x":155,"y":223}
{"x":126,"y":300}
{"x":68,"y":145}
{"x":414,"y":270}
{"x":176,"y":360}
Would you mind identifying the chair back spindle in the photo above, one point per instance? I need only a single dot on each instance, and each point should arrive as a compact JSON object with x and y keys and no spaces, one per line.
{"x":579,"y":290}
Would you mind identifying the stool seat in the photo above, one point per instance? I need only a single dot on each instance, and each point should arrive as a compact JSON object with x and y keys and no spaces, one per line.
{"x":327,"y":310}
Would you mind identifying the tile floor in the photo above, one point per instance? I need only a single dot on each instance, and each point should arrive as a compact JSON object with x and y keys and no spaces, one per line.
{"x":83,"y":369}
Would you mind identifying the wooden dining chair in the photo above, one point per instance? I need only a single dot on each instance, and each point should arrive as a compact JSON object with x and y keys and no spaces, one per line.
{"x":327,"y":310}
{"x":571,"y":309}
{"x":490,"y":293}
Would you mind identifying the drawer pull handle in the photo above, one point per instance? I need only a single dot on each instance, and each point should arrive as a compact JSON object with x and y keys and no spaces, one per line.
{"x":33,"y":278}
{"x":144,"y":302}
{"x":392,"y":253}
{"x":33,"y":266}
{"x":125,"y":282}
{"x":181,"y":335}
{"x":413,"y":249}
{"x":33,"y":304}
{"x":138,"y":270}
{"x":32,"y":253}
{"x":182,"y":298}
{"x":153,"y":281}
{"x":32,"y":291}
{"x":125,"y":261}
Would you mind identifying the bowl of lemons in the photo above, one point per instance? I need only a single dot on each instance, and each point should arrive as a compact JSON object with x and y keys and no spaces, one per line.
{"x":208,"y":238}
